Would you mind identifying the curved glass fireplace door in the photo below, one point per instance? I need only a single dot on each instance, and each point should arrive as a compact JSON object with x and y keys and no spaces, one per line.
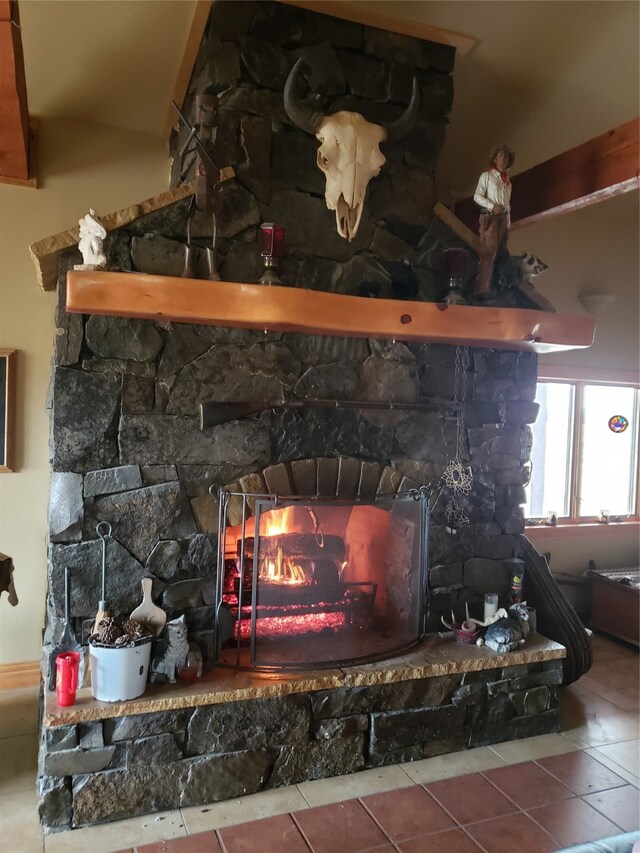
{"x":308,"y":582}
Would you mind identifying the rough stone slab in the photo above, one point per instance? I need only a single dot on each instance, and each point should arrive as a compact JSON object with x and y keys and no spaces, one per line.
{"x":120,"y":337}
{"x":320,"y":349}
{"x":304,"y":474}
{"x":157,"y":749}
{"x":138,"y":726}
{"x":249,"y":725}
{"x":278,"y":479}
{"x":328,"y":381}
{"x":154,"y":475}
{"x":73,"y":762}
{"x":398,"y":729}
{"x":205,"y":511}
{"x":221,"y":777}
{"x":156,"y":255}
{"x":111,"y":480}
{"x":137,"y":395}
{"x":528,"y":702}
{"x":183,"y":345}
{"x":124,"y":793}
{"x":267,"y":63}
{"x":69,"y":332}
{"x":340,"y":727}
{"x":65,"y":737}
{"x":184,"y":594}
{"x":83,"y":438}
{"x":90,"y":735}
{"x":290,"y":26}
{"x":396,"y":756}
{"x":194,"y":556}
{"x":518,"y":727}
{"x":369,"y":479}
{"x":66,"y":507}
{"x":140,"y":517}
{"x":348,"y":476}
{"x":484,"y":575}
{"x":84,"y":560}
{"x":54,"y":802}
{"x":318,"y":760}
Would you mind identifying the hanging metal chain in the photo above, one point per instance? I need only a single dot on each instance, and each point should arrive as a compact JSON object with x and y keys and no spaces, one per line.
{"x":456,"y":476}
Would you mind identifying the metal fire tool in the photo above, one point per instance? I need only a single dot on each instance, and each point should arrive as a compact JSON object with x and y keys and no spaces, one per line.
{"x":68,"y":643}
{"x":103,"y":529}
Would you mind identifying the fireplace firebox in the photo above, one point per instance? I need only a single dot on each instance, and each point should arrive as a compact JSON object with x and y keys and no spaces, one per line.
{"x":311,"y":581}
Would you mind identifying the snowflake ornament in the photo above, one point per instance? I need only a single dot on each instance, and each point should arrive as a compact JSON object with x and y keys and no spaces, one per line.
{"x":458,"y":477}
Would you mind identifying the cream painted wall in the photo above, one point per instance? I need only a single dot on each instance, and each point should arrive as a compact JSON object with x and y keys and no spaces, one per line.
{"x":80,"y":165}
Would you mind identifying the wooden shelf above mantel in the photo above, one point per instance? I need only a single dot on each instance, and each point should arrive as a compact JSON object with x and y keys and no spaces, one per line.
{"x":290,"y":309}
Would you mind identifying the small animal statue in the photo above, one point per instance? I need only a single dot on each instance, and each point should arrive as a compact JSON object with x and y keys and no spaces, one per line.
{"x":171,"y":651}
{"x":529,"y":265}
{"x":92,"y":233}
{"x":508,"y":633}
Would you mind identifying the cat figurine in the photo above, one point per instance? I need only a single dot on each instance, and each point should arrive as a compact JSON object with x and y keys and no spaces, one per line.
{"x":507,"y":634}
{"x":171,"y":651}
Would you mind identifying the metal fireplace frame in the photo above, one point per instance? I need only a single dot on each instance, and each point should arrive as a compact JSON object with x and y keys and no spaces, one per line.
{"x":422,"y":494}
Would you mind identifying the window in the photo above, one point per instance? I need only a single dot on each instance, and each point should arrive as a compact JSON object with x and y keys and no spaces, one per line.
{"x":585,"y":451}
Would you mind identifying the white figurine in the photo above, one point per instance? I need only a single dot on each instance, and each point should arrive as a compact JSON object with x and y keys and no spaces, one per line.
{"x":92,"y":233}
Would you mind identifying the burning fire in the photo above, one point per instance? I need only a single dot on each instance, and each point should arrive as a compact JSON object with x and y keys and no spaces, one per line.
{"x":282,"y":570}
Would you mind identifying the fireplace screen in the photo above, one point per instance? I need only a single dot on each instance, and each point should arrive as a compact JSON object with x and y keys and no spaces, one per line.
{"x":318,"y":582}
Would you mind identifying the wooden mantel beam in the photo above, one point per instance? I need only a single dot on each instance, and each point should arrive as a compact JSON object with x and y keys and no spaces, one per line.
{"x":314,"y":312}
{"x":14,"y":111}
{"x":601,"y":168}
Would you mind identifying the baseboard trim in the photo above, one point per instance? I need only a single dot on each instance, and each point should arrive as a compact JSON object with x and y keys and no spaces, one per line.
{"x":24,"y":674}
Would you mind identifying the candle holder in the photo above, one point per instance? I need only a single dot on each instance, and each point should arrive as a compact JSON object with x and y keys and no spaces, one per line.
{"x":271,"y":250}
{"x":454,"y":264}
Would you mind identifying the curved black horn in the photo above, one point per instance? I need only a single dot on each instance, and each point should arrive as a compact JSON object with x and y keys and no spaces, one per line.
{"x":401,"y":126}
{"x":298,"y":111}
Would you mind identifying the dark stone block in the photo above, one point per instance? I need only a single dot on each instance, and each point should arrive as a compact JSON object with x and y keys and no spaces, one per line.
{"x":222,"y":777}
{"x":437,"y":93}
{"x":428,"y":437}
{"x":518,"y":413}
{"x":73,"y":762}
{"x":496,"y":390}
{"x":257,"y":723}
{"x":156,"y":255}
{"x":293,"y":27}
{"x":255,"y":173}
{"x":194,"y":556}
{"x":154,"y":475}
{"x":66,"y":507}
{"x":258,"y":372}
{"x":139,"y":518}
{"x":398,"y":729}
{"x":328,"y":381}
{"x":238,"y":210}
{"x":447,"y":575}
{"x":124,"y":793}
{"x":188,"y":593}
{"x":242,"y":262}
{"x":528,"y":702}
{"x":322,"y":70}
{"x":260,"y":102}
{"x":64,"y":737}
{"x":137,"y":395}
{"x":111,"y":480}
{"x":119,"y":337}
{"x":321,"y":349}
{"x":496,"y":546}
{"x":201,"y":618}
{"x":294,"y":162}
{"x":182,"y":346}
{"x":143,"y":369}
{"x":340,"y":727}
{"x":481,"y":676}
{"x":303,"y":763}
{"x":311,"y":227}
{"x":499,"y":708}
{"x":91,"y":736}
{"x":84,"y":437}
{"x":404,"y":198}
{"x":156,"y":440}
{"x":145,"y":725}
{"x":229,"y":19}
{"x":468,"y":694}
{"x":510,"y":496}
{"x":363,"y":270}
{"x":154,"y":750}
{"x":396,"y":756}
{"x":267,"y":63}
{"x":437,"y":381}
{"x":454,"y":743}
{"x":69,"y":327}
{"x":484,"y":575}
{"x":220,"y":64}
{"x":304,"y":433}
{"x":365,"y":77}
{"x":413,"y":51}
{"x":518,"y":727}
{"x":54,"y":803}
{"x":84,"y":561}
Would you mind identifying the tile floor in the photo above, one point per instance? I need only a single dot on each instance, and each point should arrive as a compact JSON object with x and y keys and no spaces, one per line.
{"x":538,"y":794}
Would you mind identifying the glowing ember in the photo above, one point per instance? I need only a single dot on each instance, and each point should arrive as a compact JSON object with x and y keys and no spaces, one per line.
{"x":284,"y":626}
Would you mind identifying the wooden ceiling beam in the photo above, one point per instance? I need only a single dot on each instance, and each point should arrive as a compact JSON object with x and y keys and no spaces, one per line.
{"x":601,"y":168}
{"x":14,"y":111}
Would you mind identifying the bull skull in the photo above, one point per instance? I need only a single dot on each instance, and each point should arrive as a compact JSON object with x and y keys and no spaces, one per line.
{"x":349,"y":152}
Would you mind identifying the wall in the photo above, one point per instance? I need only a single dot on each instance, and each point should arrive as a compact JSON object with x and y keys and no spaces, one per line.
{"x":80,"y":165}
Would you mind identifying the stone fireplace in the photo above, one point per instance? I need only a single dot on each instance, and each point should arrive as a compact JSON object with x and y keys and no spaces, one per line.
{"x":127,"y":448}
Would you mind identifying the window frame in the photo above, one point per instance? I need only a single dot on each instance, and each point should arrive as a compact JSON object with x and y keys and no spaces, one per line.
{"x":578,"y":378}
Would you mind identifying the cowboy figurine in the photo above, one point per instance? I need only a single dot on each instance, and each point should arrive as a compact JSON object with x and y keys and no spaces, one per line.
{"x":493,"y":195}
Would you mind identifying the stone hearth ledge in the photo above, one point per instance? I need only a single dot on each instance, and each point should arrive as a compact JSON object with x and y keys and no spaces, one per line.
{"x":434,"y":657}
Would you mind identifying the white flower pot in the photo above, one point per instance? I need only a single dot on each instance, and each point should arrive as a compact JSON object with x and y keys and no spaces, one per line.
{"x":119,"y":673}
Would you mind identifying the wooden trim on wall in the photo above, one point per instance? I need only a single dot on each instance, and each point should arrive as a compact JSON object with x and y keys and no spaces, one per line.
{"x":24,"y":674}
{"x":14,"y":110}
{"x":194,"y":37}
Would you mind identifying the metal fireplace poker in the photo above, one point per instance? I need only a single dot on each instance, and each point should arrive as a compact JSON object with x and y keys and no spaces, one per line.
{"x":308,"y":582}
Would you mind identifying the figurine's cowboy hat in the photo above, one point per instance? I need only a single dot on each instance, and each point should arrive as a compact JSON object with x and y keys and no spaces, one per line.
{"x":510,"y":154}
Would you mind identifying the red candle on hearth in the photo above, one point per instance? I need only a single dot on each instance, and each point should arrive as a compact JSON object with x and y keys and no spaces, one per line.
{"x":272,"y":240}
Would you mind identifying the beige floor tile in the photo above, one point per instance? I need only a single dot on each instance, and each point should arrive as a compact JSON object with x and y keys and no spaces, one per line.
{"x":598,"y":729}
{"x":322,"y":792}
{"x":18,"y":711}
{"x":242,"y":809}
{"x":530,"y":748}
{"x":19,"y":825}
{"x":18,"y":763}
{"x":625,"y":754}
{"x":118,"y":835}
{"x":456,"y":764}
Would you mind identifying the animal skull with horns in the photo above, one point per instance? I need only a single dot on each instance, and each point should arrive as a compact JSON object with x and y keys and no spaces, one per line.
{"x":349,"y":152}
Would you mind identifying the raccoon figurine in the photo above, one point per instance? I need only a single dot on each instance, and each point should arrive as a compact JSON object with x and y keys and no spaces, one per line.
{"x":507,"y":634}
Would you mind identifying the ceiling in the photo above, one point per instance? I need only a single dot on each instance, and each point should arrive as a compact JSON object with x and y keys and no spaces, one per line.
{"x":543,"y":76}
